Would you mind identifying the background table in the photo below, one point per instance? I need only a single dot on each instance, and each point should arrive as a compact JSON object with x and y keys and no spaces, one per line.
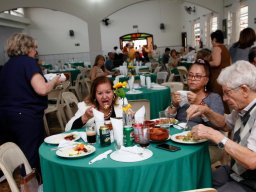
{"x":159,"y":99}
{"x":72,"y":72}
{"x":137,"y":77}
{"x":75,"y":64}
{"x":165,"y":171}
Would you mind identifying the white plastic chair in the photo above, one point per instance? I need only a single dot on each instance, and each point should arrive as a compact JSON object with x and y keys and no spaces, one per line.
{"x":78,"y":87}
{"x":12,"y":157}
{"x":161,"y":76}
{"x":55,"y":108}
{"x":174,"y":86}
{"x":71,"y":102}
{"x":183,"y":72}
{"x":137,"y":104}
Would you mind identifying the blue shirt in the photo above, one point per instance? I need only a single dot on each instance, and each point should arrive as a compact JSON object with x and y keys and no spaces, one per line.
{"x":16,"y":91}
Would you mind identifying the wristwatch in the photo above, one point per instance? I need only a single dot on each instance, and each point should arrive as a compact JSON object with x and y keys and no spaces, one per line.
{"x":222,"y":143}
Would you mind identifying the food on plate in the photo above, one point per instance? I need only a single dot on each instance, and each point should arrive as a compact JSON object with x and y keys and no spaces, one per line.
{"x":166,"y":121}
{"x":78,"y":149}
{"x":148,"y":123}
{"x":70,"y":137}
{"x":187,"y":137}
{"x":158,"y":134}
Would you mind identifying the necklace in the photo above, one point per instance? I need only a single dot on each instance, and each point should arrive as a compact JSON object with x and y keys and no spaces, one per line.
{"x":109,"y":113}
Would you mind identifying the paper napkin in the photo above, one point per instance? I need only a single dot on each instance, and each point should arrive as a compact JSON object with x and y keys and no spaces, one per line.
{"x":101,"y":156}
{"x":148,"y":82}
{"x":99,"y":119}
{"x":117,"y":125}
{"x":183,"y":97}
{"x":140,"y":115}
{"x":142,"y":80}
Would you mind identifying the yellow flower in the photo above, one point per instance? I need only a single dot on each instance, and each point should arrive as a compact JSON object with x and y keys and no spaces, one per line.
{"x":131,"y":67}
{"x":127,"y":107}
{"x":120,"y":85}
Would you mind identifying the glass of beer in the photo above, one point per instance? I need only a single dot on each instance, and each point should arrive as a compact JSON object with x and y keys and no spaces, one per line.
{"x":91,"y":134}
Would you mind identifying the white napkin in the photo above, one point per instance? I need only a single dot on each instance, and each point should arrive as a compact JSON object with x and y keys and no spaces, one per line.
{"x":137,"y":69}
{"x":148,"y":82}
{"x":99,"y":119}
{"x":117,"y":125}
{"x":140,"y":115}
{"x":83,"y":136}
{"x":184,"y":97}
{"x":131,"y":82}
{"x":142,"y":80}
{"x":50,"y":76}
{"x":101,"y":156}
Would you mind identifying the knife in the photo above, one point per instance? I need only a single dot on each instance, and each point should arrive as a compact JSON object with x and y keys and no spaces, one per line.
{"x":100,"y":157}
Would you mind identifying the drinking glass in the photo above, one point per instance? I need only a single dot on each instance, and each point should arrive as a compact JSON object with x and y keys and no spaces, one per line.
{"x":143,"y":136}
{"x":91,"y":134}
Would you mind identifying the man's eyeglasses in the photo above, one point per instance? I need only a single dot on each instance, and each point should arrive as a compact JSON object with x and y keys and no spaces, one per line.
{"x":227,"y":92}
{"x":195,"y":77}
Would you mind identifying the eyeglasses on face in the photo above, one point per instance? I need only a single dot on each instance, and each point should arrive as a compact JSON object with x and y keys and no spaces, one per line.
{"x":229,"y":91}
{"x":196,"y":77}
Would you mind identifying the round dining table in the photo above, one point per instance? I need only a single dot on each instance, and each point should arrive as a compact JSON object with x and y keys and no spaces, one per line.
{"x":72,"y":71}
{"x":159,"y":98}
{"x":188,"y":168}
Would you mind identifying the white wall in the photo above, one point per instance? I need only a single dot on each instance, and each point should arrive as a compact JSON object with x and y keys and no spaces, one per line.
{"x":51,"y":29}
{"x":148,"y":16}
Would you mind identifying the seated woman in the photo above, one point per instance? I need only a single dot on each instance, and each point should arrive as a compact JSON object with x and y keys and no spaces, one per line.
{"x":198,"y":77}
{"x":99,"y":68}
{"x":102,"y":98}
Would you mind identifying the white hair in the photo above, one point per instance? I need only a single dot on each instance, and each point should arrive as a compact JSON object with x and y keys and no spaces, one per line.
{"x":239,"y":73}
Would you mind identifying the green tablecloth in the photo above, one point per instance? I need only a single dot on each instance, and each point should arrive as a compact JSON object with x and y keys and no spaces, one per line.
{"x":73,"y":72}
{"x":185,"y":64}
{"x":159,"y":99}
{"x":47,"y":66}
{"x":137,"y":77}
{"x":165,"y":171}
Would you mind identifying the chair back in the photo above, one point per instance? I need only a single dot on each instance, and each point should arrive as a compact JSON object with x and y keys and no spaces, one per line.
{"x":12,"y":157}
{"x":137,"y":104}
{"x":149,"y":65}
{"x":157,"y":69}
{"x":183,"y":72}
{"x":161,"y":76}
{"x":174,"y":86}
{"x":71,"y":102}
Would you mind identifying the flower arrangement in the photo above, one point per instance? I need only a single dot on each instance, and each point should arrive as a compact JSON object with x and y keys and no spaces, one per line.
{"x":119,"y":91}
{"x":128,"y":114}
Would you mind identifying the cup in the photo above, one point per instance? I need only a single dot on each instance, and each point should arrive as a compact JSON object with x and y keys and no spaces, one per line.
{"x":143,"y":136}
{"x":163,"y":114}
{"x":91,"y":134}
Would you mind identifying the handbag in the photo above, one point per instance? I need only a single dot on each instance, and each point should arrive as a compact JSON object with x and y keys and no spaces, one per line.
{"x":29,"y":182}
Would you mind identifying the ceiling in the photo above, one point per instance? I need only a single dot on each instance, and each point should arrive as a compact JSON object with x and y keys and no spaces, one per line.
{"x":90,"y":10}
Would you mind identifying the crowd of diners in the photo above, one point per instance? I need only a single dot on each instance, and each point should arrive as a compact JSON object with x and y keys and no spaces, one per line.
{"x":221,"y":99}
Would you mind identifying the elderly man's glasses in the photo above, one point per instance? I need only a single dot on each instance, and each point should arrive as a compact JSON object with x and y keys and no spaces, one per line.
{"x":196,"y":77}
{"x":228,"y":91}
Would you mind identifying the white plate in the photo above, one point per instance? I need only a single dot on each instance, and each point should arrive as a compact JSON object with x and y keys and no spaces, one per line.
{"x":124,"y":156}
{"x":158,"y":88}
{"x":134,"y":92}
{"x":56,"y":139}
{"x":71,"y":153}
{"x":169,"y":124}
{"x":173,"y":137}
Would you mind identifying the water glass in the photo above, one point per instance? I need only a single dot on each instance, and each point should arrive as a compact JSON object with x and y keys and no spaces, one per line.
{"x":142,"y":136}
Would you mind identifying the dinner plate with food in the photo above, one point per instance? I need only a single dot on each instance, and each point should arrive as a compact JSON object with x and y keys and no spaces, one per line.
{"x":78,"y":150}
{"x":186,"y":138}
{"x":165,"y":121}
{"x":56,"y":139}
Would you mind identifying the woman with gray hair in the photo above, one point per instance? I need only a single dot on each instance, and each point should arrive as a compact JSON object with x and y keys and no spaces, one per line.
{"x":239,"y":91}
{"x":23,"y":97}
